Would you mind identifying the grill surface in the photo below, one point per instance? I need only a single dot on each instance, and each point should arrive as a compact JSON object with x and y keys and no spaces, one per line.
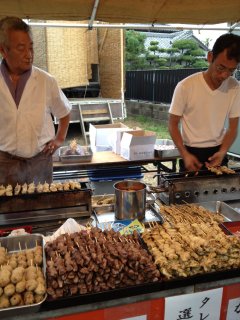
{"x":199,"y":187}
{"x":27,"y":208}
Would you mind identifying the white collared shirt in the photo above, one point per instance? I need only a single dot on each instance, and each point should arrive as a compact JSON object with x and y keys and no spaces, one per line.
{"x":25,"y":130}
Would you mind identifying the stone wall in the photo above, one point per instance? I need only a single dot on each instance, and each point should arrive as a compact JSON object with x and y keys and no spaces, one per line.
{"x":158,"y":112}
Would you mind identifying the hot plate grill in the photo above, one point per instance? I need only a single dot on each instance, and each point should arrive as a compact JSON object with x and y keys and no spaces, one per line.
{"x":45,"y":208}
{"x":199,"y":186}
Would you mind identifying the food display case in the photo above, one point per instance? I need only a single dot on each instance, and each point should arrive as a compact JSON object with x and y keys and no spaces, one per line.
{"x":137,"y":299}
{"x":143,"y":300}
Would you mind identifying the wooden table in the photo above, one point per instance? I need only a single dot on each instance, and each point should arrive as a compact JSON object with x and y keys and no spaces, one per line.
{"x":109,"y":159}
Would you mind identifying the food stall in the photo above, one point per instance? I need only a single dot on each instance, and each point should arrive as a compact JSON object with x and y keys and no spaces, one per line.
{"x":196,"y":264}
{"x":195,"y":275}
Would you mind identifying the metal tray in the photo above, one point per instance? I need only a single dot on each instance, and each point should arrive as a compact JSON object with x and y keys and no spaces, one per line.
{"x":14,"y":244}
{"x":146,"y":288}
{"x":46,"y":200}
{"x":221,"y":207}
{"x":150,"y":199}
{"x":231,"y":227}
{"x":87,"y":157}
{"x":103,"y":208}
{"x":165,"y":153}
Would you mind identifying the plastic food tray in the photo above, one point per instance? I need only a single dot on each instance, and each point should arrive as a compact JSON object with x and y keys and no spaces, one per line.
{"x":165,"y":153}
{"x":14,"y":244}
{"x":87,"y":157}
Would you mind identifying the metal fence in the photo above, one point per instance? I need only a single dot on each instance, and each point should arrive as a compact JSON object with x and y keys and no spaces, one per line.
{"x":154,"y":85}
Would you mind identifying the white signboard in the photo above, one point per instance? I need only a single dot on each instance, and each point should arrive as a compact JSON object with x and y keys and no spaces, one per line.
{"x":233,"y":311}
{"x":205,"y":305}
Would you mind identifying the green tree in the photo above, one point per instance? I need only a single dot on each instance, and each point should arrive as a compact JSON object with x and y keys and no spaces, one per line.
{"x":152,"y":56}
{"x":182,"y":54}
{"x":171,"y":55}
{"x":135,"y":50}
{"x":154,"y":47}
{"x":190,"y":54}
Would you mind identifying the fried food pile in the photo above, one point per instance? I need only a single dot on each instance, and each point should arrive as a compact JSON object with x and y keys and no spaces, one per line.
{"x":191,"y":242}
{"x":220,"y":170}
{"x":94,"y":260}
{"x":103,"y":200}
{"x":30,"y":188}
{"x":22,"y":280}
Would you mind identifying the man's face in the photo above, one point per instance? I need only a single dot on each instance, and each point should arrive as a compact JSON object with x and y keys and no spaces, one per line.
{"x":221,"y":68}
{"x":18,"y":52}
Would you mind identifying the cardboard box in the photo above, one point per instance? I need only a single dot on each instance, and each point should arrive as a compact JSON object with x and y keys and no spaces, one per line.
{"x":101,"y":136}
{"x":138,"y":145}
{"x":116,"y":140}
{"x":117,"y":137}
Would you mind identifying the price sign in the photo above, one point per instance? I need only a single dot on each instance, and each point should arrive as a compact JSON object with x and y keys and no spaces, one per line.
{"x":233,"y":310}
{"x":203,"y":305}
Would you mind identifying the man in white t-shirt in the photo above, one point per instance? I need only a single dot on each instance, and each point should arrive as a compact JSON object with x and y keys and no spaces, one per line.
{"x":203,"y":104}
{"x":29,"y":97}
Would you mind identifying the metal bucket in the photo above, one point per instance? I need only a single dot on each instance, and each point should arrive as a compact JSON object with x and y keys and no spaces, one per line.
{"x":130,"y":200}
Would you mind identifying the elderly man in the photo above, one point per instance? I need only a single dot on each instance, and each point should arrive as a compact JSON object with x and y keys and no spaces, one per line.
{"x":29,"y":97}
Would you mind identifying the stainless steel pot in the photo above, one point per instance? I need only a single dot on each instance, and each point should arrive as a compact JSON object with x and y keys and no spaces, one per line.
{"x":130,"y":200}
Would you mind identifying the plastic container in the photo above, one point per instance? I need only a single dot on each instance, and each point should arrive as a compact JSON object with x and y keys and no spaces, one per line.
{"x":130,"y":200}
{"x":165,"y":148}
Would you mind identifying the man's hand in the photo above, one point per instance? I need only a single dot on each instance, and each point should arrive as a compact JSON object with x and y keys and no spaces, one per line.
{"x":215,"y":160}
{"x":191,"y":162}
{"x":52,"y":146}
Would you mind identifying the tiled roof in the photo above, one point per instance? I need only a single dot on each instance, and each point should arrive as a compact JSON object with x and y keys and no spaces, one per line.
{"x":166,"y":39}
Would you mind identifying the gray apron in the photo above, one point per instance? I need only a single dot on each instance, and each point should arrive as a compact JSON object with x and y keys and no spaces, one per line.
{"x":19,"y":170}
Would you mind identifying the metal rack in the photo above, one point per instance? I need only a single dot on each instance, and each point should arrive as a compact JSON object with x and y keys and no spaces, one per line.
{"x":93,"y":113}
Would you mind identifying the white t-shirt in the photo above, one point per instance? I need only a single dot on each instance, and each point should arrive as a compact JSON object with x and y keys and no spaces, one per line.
{"x":204,"y":111}
{"x":25,"y":130}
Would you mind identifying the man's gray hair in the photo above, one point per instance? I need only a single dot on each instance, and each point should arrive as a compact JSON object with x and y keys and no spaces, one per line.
{"x":11,"y":23}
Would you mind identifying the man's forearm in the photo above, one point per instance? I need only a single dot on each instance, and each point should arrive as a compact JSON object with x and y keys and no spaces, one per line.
{"x":63,"y":128}
{"x":227,"y":142}
{"x":177,"y":138}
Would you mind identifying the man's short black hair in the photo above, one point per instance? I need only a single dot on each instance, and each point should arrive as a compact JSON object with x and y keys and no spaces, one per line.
{"x":228,"y":41}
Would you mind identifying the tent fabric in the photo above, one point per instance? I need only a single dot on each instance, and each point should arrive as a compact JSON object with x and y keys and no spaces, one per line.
{"x":126,"y":11}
